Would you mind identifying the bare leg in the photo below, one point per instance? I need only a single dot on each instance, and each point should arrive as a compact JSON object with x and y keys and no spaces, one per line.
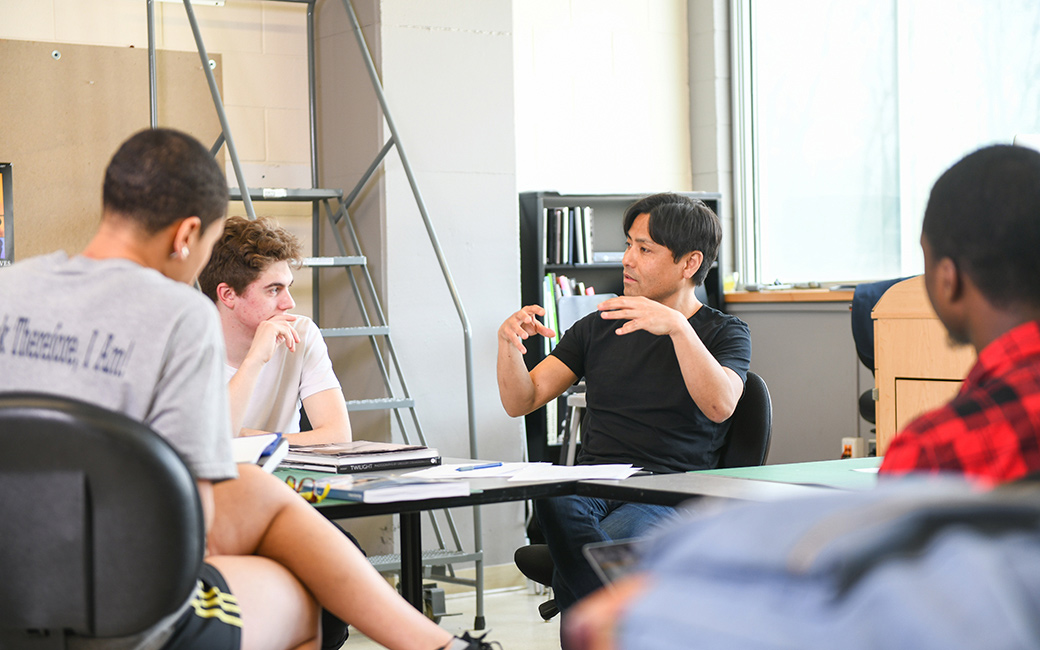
{"x":257,"y":514}
{"x":277,"y":611}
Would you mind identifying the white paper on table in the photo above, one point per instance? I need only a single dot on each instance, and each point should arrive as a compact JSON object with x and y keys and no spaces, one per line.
{"x":452,"y":470}
{"x":867,"y":470}
{"x":545,"y":472}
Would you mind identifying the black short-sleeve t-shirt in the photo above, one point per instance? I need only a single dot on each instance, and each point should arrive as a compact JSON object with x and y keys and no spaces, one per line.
{"x":638,"y":408}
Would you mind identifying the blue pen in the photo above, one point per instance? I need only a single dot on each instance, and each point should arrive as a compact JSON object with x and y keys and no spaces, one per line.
{"x":468,"y":468}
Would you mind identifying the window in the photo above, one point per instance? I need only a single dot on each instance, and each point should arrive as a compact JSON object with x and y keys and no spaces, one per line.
{"x":847,"y":111}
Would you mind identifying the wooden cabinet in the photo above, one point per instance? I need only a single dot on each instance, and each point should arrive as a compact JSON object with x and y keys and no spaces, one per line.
{"x":917,"y":368}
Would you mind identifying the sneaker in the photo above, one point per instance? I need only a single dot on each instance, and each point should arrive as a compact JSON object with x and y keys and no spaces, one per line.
{"x":467,"y":642}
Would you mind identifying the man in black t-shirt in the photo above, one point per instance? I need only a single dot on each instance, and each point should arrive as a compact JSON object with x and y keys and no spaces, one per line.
{"x":663,"y":374}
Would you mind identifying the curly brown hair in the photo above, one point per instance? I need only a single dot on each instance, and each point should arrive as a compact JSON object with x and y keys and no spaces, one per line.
{"x":244,"y":251}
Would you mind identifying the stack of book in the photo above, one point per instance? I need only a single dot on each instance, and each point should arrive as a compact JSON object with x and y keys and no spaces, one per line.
{"x":384,"y":489}
{"x":359,"y":456}
{"x":568,"y":235}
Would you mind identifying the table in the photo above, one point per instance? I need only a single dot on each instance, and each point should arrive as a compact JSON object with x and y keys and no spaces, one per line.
{"x":482,"y":491}
{"x":765,"y":483}
{"x":843,"y":474}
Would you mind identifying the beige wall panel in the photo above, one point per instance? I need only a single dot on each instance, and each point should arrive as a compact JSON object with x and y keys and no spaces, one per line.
{"x":64,"y":117}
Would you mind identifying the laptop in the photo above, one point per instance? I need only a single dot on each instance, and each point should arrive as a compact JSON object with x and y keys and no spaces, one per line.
{"x":613,"y":559}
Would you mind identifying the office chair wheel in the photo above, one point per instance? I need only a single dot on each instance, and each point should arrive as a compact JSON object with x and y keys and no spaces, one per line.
{"x":548,"y":609}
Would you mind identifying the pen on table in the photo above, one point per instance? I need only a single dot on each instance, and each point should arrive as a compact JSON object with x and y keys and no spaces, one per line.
{"x":467,"y":468}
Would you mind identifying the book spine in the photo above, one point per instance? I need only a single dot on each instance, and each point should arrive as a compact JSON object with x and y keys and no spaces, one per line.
{"x":354,"y":468}
{"x":293,"y":464}
{"x":346,"y":494}
{"x":587,"y":218}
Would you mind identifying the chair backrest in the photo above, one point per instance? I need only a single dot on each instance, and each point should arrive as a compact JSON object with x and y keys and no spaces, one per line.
{"x":101,"y":527}
{"x":750,"y":427}
{"x":864,"y":297}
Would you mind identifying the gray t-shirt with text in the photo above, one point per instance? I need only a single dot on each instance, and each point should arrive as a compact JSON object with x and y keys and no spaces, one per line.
{"x":124,"y":337}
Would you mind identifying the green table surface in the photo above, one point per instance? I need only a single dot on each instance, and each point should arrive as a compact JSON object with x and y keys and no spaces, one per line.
{"x":845,"y":474}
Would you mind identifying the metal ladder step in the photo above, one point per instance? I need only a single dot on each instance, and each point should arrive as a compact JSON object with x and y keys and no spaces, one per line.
{"x":337,"y":261}
{"x":380,"y":403}
{"x":435,"y":557}
{"x":341,"y":332}
{"x":286,"y":194}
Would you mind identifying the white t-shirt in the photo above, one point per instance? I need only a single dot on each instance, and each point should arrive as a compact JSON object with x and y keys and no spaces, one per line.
{"x":288,"y":379}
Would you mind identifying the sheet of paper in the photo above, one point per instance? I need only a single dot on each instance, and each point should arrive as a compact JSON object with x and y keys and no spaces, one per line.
{"x":867,"y":470}
{"x":545,"y":472}
{"x":449,"y":470}
{"x":246,"y":449}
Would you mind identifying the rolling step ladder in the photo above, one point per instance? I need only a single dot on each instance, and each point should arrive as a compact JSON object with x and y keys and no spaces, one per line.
{"x":330,"y":205}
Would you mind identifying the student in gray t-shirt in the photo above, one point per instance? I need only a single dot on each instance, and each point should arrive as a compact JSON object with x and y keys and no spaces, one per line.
{"x":118,"y":326}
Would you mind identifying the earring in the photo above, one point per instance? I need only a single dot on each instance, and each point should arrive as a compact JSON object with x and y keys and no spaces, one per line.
{"x":183,"y":254}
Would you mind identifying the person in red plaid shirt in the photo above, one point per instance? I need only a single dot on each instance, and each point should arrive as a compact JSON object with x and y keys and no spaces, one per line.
{"x":981,"y":243}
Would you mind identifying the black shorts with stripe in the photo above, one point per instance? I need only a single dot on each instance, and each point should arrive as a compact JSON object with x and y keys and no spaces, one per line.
{"x":213,"y":619}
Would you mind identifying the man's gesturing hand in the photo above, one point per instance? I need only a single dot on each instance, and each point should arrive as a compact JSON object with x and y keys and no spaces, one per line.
{"x":642,"y":314}
{"x":523,"y":325}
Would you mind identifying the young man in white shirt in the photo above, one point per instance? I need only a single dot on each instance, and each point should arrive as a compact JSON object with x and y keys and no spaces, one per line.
{"x":276,"y":361}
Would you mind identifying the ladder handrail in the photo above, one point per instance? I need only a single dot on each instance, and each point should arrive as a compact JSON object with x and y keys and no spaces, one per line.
{"x":467,"y":334}
{"x":445,"y":271}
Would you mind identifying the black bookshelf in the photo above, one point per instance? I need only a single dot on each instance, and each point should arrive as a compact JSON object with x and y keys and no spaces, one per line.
{"x":608,"y":211}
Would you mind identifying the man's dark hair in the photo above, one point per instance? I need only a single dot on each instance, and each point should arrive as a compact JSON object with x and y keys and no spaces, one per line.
{"x":984,"y":214}
{"x":244,"y":251}
{"x":159,"y":176}
{"x":682,"y":225}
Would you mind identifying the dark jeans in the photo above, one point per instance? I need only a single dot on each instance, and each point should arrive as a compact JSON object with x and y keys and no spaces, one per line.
{"x":571,"y":522}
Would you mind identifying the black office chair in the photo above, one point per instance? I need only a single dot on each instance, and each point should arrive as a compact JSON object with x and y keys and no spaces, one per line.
{"x":750,"y":432}
{"x":101,"y":523}
{"x":864,"y":297}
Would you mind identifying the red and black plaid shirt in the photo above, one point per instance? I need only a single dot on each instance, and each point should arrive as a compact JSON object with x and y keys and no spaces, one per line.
{"x":991,"y":429}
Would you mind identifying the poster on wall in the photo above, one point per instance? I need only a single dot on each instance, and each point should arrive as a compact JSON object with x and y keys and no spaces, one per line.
{"x":6,"y":213}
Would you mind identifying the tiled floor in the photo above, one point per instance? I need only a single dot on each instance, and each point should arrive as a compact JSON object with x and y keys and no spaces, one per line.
{"x":511,"y":615}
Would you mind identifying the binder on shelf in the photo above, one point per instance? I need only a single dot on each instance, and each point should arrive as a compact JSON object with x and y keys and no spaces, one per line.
{"x":544,"y":242}
{"x":577,"y":236}
{"x":586,"y":214}
{"x":566,"y":227}
{"x":549,"y":304}
{"x":558,"y":220}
